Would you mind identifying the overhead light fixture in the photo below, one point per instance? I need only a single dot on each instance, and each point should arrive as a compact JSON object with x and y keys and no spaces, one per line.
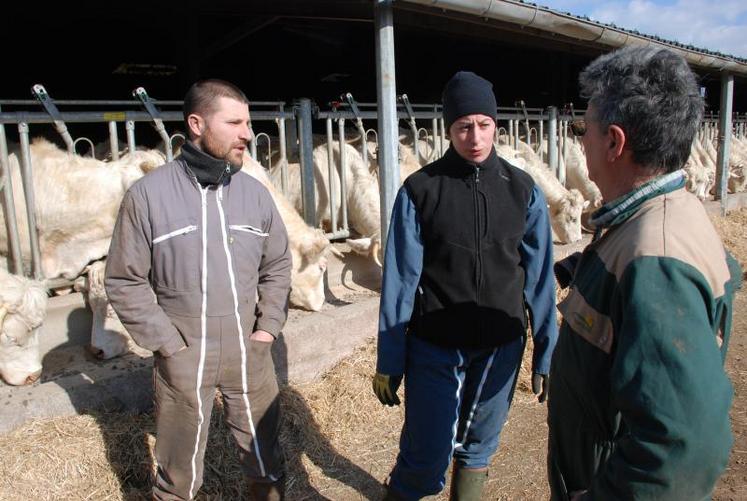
{"x":156,"y":70}
{"x":335,"y":77}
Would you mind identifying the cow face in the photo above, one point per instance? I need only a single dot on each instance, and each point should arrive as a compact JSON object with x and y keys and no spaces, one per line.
{"x":307,"y":285}
{"x":20,"y":361}
{"x":24,"y":306}
{"x":565,"y":217}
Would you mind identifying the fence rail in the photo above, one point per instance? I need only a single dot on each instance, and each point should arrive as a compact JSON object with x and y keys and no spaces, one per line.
{"x":295,"y":124}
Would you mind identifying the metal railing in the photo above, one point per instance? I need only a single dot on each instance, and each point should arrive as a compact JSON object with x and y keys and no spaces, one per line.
{"x":424,"y":125}
{"x":28,"y":116}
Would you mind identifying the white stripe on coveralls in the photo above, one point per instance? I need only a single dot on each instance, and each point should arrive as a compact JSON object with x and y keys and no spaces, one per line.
{"x":244,"y":386}
{"x":203,"y":339}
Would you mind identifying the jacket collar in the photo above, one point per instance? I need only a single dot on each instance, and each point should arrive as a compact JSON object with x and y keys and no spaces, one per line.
{"x":456,"y":159}
{"x":623,"y":207}
{"x":208,"y":170}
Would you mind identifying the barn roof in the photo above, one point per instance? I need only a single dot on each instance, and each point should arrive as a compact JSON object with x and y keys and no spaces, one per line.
{"x":530,"y":16}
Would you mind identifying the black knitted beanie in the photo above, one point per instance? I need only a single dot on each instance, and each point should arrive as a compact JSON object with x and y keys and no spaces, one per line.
{"x":467,"y":94}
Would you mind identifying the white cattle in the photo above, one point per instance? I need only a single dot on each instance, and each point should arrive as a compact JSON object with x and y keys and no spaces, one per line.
{"x":408,"y":163}
{"x":23,"y":307}
{"x":309,"y":247}
{"x":701,"y":167}
{"x":361,"y":195}
{"x":577,"y":176}
{"x":109,"y":338}
{"x":77,"y":201}
{"x":76,"y":204}
{"x":737,"y":165}
{"x":700,"y":179}
{"x":565,"y":205}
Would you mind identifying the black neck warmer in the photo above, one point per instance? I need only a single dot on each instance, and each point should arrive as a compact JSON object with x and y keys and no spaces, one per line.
{"x":208,"y":169}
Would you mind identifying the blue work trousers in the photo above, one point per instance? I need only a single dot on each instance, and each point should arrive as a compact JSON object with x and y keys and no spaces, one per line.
{"x":456,"y":402}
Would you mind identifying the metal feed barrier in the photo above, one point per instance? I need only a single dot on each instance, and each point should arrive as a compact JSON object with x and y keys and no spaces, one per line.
{"x":294,"y":140}
{"x":144,"y":109}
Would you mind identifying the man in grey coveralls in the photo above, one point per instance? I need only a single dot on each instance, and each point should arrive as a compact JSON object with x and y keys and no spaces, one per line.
{"x":208,"y":241}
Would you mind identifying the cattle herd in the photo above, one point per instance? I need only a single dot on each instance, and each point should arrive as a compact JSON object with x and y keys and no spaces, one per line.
{"x":77,"y":200}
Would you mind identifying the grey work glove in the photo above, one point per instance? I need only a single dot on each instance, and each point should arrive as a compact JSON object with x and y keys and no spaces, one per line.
{"x":539,"y":386}
{"x":385,"y":387}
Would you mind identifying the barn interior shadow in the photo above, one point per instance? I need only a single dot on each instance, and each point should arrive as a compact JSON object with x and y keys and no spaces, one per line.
{"x":122,"y":406}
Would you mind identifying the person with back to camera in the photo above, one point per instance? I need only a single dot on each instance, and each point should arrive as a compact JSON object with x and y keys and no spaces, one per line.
{"x":638,"y":404}
{"x":468,"y":266}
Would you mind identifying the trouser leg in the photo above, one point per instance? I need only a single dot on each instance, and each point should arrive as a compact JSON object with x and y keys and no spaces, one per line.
{"x":433,"y":385}
{"x":488,"y":390}
{"x":183,"y":405}
{"x":250,"y":394}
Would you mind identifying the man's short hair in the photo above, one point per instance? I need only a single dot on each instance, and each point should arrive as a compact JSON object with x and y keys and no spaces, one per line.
{"x":202,"y":97}
{"x":652,"y":94}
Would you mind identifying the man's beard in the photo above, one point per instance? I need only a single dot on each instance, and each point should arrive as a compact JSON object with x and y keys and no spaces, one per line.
{"x":213,"y":149}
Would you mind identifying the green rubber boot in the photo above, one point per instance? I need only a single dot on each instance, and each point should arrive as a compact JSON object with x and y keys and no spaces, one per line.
{"x":467,"y":484}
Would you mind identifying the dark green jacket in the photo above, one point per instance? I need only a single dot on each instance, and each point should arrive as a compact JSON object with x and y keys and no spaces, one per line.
{"x":639,"y":400}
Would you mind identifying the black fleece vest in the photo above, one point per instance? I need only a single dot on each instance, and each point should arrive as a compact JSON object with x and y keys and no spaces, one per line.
{"x":472,"y":221}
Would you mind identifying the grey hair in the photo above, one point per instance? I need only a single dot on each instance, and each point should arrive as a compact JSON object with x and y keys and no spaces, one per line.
{"x":652,"y":94}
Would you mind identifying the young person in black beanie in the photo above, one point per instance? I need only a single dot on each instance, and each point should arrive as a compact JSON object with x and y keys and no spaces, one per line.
{"x":469,"y":251}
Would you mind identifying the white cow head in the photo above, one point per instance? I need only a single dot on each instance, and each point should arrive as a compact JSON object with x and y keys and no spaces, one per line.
{"x":565,"y":217}
{"x":109,"y":338}
{"x":23,"y":309}
{"x":307,"y":275}
{"x":698,"y":180}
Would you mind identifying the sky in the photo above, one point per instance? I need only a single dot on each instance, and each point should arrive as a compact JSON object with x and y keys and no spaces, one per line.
{"x":716,"y":25}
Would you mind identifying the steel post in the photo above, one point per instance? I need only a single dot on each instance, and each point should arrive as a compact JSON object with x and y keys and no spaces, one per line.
{"x":28,"y":192}
{"x":113,"y":140}
{"x":303,"y":117}
{"x":552,"y":139}
{"x":9,"y":209}
{"x":387,"y":111}
{"x":130,"y":130}
{"x":343,"y":175}
{"x":724,"y":138}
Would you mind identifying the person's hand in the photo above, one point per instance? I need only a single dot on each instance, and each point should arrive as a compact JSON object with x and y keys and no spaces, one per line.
{"x":385,"y":387}
{"x":539,"y":386}
{"x":262,"y":336}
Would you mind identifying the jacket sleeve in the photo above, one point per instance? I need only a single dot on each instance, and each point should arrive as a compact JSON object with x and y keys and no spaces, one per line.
{"x":539,"y":285}
{"x":127,"y":284}
{"x":403,"y":263}
{"x":668,"y":383}
{"x":274,"y":278}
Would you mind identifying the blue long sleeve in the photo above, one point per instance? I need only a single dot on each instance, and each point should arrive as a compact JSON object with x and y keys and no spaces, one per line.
{"x":539,"y":286}
{"x":403,"y":263}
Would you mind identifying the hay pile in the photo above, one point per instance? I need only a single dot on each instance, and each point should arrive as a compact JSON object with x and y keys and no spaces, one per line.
{"x":733,"y":231}
{"x":340,"y":443}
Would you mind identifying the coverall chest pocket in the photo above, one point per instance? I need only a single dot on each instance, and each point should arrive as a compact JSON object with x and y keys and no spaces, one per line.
{"x":176,"y":255}
{"x":247,"y":245}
